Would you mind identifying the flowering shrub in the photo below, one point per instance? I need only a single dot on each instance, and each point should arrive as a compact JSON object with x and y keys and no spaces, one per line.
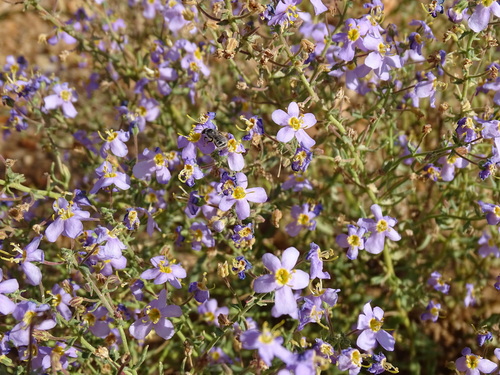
{"x":278,"y":187}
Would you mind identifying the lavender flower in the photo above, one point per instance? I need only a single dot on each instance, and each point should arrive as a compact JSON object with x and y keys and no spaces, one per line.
{"x":481,"y":15}
{"x":474,"y":364}
{"x":7,"y":286}
{"x":154,"y":162}
{"x":437,"y":282}
{"x":164,"y":271}
{"x":353,"y":240}
{"x":431,"y":312}
{"x":115,"y":141}
{"x":29,"y":313}
{"x":200,"y":291}
{"x":492,"y":212}
{"x":488,"y":246}
{"x":294,"y":124}
{"x":470,"y":299}
{"x":303,"y":220}
{"x":268,"y":344}
{"x":154,"y":316}
{"x":68,"y":221}
{"x":31,"y":253}
{"x":241,"y":196}
{"x":282,"y":280}
{"x":350,"y":359}
{"x":315,"y":256}
{"x":200,"y":235}
{"x":380,"y":228}
{"x":108,"y":175}
{"x":64,"y":97}
{"x":370,"y":323}
{"x":210,"y":311}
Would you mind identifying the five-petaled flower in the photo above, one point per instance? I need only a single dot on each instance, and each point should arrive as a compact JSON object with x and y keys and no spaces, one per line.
{"x":294,"y":124}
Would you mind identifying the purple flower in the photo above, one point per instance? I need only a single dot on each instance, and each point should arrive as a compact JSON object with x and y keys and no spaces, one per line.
{"x":282,"y":280}
{"x":164,"y":271}
{"x":46,"y":357}
{"x":97,"y":321}
{"x":303,"y":220}
{"x":234,"y":153}
{"x":297,"y":182}
{"x":488,"y":246}
{"x":210,"y":311}
{"x":32,"y":253}
{"x":285,"y":14}
{"x":115,"y":141}
{"x":240,"y":266}
{"x":60,"y":300}
{"x":427,"y":89}
{"x":470,"y":299}
{"x":483,"y":336}
{"x":154,"y":162}
{"x":254,"y":127}
{"x":68,"y":221}
{"x":200,"y":290}
{"x":315,"y":256}
{"x":29,"y":313}
{"x":481,"y":15}
{"x":474,"y":364}
{"x":113,"y":246}
{"x":241,"y":196}
{"x":294,"y":124}
{"x":353,"y":240}
{"x":350,"y":359}
{"x":108,"y":175}
{"x":200,"y":235}
{"x":350,"y":39}
{"x":492,"y":212}
{"x":190,"y":172}
{"x":431,"y":172}
{"x":380,"y":228}
{"x":64,"y":97}
{"x":7,"y":286}
{"x":431,"y":312}
{"x":437,"y":282}
{"x":301,"y":159}
{"x":154,"y":316}
{"x":268,"y":344}
{"x":217,"y":356}
{"x":370,"y":323}
{"x":243,"y":235}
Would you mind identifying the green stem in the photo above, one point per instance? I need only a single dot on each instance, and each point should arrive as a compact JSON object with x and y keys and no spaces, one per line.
{"x":49,"y":194}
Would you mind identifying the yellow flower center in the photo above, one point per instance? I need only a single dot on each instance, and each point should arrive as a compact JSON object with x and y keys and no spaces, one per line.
{"x":266,"y":337}
{"x":472,"y":361}
{"x":90,"y":319}
{"x":186,"y":173}
{"x":65,"y":95}
{"x":215,"y":355}
{"x":197,"y":235}
{"x":353,"y":35}
{"x":194,"y":66}
{"x":356,"y":358}
{"x":239,"y":192}
{"x":28,"y":317}
{"x":303,"y":219}
{"x":283,"y":276}
{"x":496,"y":211}
{"x":354,"y":240}
{"x":301,"y":156}
{"x":487,"y":3}
{"x":159,"y":160}
{"x":65,"y":214}
{"x":56,"y":301}
{"x":435,"y":311}
{"x":142,"y":111}
{"x":452,"y":159}
{"x":154,"y":315}
{"x":151,"y":198}
{"x":111,"y":136}
{"x":376,"y":324}
{"x":209,"y":316}
{"x":232,"y":145}
{"x":295,"y":123}
{"x":132,"y":215}
{"x":382,"y":226}
{"x":245,"y":232}
{"x":165,"y":268}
